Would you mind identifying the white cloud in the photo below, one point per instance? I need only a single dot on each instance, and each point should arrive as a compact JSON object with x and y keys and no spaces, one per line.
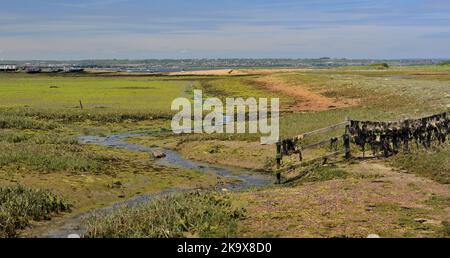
{"x":357,"y":41}
{"x":274,"y":29}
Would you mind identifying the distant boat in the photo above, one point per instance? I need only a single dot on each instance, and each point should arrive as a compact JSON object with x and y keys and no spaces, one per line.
{"x":33,"y":70}
{"x":8,"y":68}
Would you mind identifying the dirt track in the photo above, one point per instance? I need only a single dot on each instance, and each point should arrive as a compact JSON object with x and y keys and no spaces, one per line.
{"x":236,"y":71}
{"x":307,"y":100}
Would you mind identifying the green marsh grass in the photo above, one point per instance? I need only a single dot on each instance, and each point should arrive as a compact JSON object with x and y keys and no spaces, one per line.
{"x":433,"y":163}
{"x":18,"y":122}
{"x":38,"y":119}
{"x":96,"y":93}
{"x":19,"y":205}
{"x":193,"y":214}
{"x":49,"y":153}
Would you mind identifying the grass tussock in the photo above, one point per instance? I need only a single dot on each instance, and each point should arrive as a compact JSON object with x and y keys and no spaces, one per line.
{"x":54,"y":158}
{"x":18,"y":122}
{"x":445,"y":231}
{"x":433,"y":164}
{"x":19,"y":205}
{"x":319,"y":174}
{"x":13,"y":137}
{"x":194,"y":214}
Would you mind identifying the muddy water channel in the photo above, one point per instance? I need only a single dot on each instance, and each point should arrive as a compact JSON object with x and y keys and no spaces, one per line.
{"x":244,"y":179}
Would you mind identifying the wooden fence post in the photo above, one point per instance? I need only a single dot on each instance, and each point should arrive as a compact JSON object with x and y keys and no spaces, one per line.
{"x":279,"y":157}
{"x":346,"y":139}
{"x":81,"y":105}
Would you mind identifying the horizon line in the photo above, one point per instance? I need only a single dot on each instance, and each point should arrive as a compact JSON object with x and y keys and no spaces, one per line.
{"x":229,"y":58}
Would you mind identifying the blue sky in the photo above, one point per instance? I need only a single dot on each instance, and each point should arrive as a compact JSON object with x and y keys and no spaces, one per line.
{"x":68,"y":29}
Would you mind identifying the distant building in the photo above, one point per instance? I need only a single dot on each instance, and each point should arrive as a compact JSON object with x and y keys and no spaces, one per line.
{"x":8,"y":68}
{"x":73,"y":69}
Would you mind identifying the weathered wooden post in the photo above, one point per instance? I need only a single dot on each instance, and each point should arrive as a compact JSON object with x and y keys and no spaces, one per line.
{"x":279,"y":157}
{"x":346,"y":138}
{"x":81,"y":105}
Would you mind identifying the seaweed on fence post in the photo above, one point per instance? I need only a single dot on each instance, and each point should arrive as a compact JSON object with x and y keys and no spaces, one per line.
{"x":278,"y":159}
{"x":346,"y":139}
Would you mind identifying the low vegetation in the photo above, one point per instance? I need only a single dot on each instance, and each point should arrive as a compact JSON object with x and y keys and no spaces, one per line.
{"x":49,"y":153}
{"x":41,"y":116}
{"x":319,"y":174}
{"x":54,"y":158}
{"x":19,"y":205}
{"x":22,"y":123}
{"x":194,"y":214}
{"x":445,"y":231}
{"x":433,"y":164}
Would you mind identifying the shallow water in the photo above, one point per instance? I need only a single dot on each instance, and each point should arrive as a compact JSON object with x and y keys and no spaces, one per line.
{"x":245,"y":179}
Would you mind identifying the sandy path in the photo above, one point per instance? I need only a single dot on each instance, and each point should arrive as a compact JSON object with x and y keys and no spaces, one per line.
{"x":307,"y":100}
{"x":209,"y":72}
{"x":238,"y":71}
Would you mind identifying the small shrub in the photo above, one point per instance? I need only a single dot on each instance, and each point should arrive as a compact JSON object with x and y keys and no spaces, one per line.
{"x":380,"y":65}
